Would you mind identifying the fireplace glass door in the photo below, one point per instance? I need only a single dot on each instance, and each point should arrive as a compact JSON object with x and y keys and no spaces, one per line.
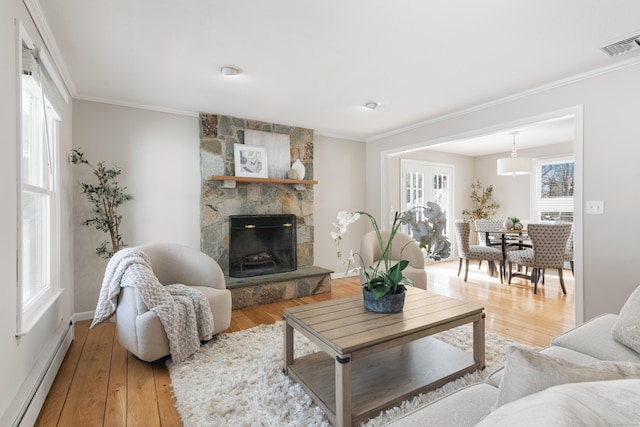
{"x":261,"y":244}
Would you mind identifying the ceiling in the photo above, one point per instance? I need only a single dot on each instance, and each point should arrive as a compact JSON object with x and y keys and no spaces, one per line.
{"x":548,"y":132}
{"x":315,"y":63}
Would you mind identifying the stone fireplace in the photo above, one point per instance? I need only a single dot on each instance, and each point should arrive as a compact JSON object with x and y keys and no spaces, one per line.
{"x":218,"y":136}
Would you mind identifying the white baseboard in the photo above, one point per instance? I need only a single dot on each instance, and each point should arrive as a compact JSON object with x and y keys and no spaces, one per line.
{"x":350,"y":273}
{"x":33,"y":404}
{"x":86,"y":315}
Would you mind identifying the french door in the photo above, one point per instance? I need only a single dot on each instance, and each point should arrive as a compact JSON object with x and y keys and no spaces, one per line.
{"x":423,"y":182}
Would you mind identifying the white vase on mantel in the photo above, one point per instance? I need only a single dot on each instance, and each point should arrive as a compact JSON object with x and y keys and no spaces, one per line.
{"x":297,"y":170}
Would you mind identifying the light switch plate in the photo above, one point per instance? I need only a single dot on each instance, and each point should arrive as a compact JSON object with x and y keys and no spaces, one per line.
{"x":595,"y":207}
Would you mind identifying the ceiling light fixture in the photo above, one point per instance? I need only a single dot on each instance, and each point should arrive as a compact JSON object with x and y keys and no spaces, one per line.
{"x":229,"y":70}
{"x":372,"y":105}
{"x":514,"y":165}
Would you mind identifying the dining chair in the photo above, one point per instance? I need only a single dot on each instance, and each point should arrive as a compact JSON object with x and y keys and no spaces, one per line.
{"x":549,"y":243}
{"x":568,"y":253}
{"x":488,"y":228}
{"x":491,"y":226}
{"x":475,"y":252}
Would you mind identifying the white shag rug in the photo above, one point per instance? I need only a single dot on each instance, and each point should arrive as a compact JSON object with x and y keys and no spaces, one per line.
{"x":237,"y":380}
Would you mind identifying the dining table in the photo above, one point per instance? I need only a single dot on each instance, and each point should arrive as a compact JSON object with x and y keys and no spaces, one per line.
{"x":509,"y":237}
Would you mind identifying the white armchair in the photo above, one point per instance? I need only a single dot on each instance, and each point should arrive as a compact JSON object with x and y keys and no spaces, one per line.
{"x":139,"y":330}
{"x":370,"y":252}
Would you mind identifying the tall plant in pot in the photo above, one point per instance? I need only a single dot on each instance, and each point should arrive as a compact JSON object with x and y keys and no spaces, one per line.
{"x":483,"y":205}
{"x":385,"y":279}
{"x":105,"y":197}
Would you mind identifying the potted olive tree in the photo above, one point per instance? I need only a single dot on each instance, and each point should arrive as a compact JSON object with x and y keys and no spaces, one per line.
{"x":483,"y":205}
{"x":105,"y":196}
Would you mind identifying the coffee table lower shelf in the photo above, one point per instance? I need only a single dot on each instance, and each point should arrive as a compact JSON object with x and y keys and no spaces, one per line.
{"x":382,"y":380}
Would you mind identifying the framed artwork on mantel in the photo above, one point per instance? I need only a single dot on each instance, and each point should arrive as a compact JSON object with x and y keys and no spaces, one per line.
{"x":250,"y":161}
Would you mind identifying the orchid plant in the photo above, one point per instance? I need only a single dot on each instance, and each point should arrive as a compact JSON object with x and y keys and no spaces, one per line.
{"x":427,"y":226}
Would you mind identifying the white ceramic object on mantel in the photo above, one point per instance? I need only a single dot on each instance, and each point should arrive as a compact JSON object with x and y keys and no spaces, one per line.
{"x":298,"y":170}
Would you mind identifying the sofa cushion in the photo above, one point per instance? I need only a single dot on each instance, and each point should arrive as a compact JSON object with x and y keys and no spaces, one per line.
{"x":527,"y":372}
{"x":569,"y":355}
{"x":595,"y":339}
{"x":603,"y":403}
{"x":495,"y":377}
{"x":462,"y":408}
{"x":626,"y":330}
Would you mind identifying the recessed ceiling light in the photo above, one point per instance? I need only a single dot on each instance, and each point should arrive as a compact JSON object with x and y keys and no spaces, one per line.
{"x":372,"y":105}
{"x":229,"y":70}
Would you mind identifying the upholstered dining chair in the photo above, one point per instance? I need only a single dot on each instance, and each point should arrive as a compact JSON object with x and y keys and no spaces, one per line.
{"x":475,"y":252}
{"x":491,"y":226}
{"x":370,"y":253}
{"x":568,"y":253}
{"x":139,"y":329}
{"x":549,"y":243}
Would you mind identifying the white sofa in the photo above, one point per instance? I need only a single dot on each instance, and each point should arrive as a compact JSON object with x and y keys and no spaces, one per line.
{"x":586,"y":372}
{"x":139,"y":330}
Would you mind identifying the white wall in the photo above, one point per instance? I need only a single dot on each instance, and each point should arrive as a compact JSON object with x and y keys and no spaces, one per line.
{"x":22,"y":359}
{"x":610,"y":135}
{"x":339,"y":168}
{"x":159,"y":155}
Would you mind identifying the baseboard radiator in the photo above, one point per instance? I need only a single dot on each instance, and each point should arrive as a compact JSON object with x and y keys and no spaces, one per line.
{"x":28,"y":414}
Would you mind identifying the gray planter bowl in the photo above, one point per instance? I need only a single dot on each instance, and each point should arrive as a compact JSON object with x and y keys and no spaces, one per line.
{"x":386,"y":304}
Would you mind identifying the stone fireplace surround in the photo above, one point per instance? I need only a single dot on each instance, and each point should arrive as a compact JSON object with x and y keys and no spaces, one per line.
{"x":218,"y":134}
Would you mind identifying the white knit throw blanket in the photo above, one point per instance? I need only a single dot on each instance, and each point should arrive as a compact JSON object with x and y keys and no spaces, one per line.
{"x":183,"y":311}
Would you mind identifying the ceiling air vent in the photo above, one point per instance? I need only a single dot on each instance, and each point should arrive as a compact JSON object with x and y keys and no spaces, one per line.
{"x":624,"y":46}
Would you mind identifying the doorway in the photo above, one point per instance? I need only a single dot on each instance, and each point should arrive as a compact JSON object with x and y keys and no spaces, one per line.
{"x":423,"y":182}
{"x":444,"y":149}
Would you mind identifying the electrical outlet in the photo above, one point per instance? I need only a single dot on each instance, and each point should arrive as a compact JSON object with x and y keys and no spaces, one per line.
{"x":595,"y":207}
{"x":339,"y":254}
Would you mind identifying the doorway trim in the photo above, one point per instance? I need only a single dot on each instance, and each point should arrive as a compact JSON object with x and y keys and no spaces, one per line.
{"x":577,"y":112}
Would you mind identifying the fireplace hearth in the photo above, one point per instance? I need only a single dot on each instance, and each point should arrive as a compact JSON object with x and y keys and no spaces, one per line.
{"x":261,"y":244}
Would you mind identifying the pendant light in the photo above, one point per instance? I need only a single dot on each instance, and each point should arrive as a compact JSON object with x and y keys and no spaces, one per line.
{"x":514,"y":165}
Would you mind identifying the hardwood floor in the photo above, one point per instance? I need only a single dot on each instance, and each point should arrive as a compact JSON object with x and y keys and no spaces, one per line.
{"x":101,"y":384}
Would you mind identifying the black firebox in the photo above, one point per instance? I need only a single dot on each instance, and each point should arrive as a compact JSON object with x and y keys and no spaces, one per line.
{"x":261,"y":244}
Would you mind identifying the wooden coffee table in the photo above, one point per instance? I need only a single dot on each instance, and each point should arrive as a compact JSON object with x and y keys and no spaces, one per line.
{"x":372,"y":361}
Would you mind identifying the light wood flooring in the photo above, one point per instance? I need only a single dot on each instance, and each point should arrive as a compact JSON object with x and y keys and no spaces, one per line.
{"x":101,"y":384}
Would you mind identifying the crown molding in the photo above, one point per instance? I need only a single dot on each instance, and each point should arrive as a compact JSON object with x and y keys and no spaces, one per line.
{"x":338,"y":136}
{"x":138,"y":106}
{"x":558,"y":83}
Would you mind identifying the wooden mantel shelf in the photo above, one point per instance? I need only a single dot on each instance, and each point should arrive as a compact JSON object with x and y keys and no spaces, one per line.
{"x":229,"y":181}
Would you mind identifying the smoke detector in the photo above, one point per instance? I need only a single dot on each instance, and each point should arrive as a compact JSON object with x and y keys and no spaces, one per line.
{"x":624,"y":46}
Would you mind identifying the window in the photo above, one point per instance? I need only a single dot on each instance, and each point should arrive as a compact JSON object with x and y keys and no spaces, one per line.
{"x":553,"y":193}
{"x":38,"y":283}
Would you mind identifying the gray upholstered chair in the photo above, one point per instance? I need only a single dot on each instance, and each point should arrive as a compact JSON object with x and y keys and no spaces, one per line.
{"x":139,"y":330}
{"x":468,"y":252}
{"x":370,"y":253}
{"x":549,"y":246}
{"x":491,"y":226}
{"x":568,"y":253}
